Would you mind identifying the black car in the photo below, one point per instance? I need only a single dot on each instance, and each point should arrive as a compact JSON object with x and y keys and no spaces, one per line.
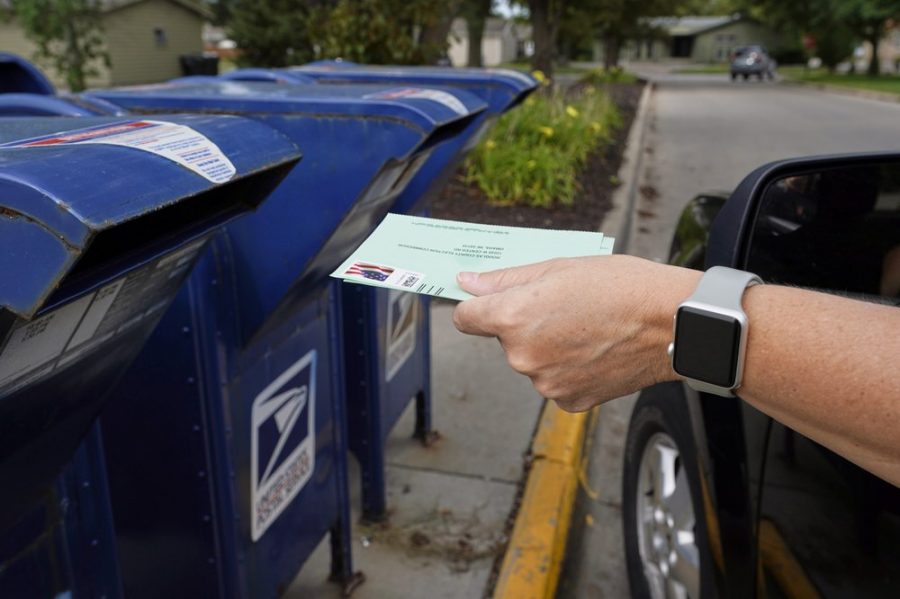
{"x":720,"y":500}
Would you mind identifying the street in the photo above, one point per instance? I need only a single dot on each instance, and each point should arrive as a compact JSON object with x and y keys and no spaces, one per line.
{"x":703,"y":133}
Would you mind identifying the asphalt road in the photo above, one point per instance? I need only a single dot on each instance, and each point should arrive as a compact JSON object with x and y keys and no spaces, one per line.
{"x":703,"y":133}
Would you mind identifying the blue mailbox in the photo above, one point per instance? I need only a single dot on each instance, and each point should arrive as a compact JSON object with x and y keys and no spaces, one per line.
{"x":391,"y":360}
{"x":19,"y":75}
{"x":248,"y":470}
{"x":101,"y":220}
{"x":387,"y":334}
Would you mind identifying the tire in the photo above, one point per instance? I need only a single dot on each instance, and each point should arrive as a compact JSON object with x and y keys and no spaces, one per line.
{"x":746,"y":76}
{"x":734,"y":76}
{"x":666,"y":542}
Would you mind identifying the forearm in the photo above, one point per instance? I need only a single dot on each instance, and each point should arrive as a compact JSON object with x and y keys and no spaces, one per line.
{"x":827,"y":367}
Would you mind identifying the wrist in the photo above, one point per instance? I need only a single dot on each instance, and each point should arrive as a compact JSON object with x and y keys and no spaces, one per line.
{"x":675,"y":284}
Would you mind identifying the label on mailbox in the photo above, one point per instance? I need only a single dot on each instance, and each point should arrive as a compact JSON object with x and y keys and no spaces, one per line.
{"x":282,"y":445}
{"x":435,"y":95}
{"x":403,"y":311}
{"x":34,"y":349}
{"x":178,"y":143}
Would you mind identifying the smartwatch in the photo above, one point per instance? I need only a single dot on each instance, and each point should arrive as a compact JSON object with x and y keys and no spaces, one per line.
{"x":711,"y":332}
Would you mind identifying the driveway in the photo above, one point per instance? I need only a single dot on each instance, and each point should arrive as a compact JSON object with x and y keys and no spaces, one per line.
{"x":703,"y":133}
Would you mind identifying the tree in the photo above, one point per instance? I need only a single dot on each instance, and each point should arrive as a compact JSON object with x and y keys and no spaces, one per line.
{"x":384,"y":31}
{"x":271,"y":33}
{"x":867,"y":19}
{"x":545,"y":16}
{"x":68,"y":35}
{"x":476,"y":13}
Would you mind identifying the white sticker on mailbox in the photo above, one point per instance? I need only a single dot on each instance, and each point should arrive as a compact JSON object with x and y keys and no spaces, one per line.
{"x":402,"y":313}
{"x":282,"y":446}
{"x":435,"y":95}
{"x":172,"y":141}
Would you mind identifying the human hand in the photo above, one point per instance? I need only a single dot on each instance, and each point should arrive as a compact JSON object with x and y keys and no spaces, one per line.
{"x":585,"y":330}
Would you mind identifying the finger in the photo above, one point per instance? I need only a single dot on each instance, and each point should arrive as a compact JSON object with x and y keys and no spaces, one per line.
{"x":494,"y":281}
{"x":476,"y":316}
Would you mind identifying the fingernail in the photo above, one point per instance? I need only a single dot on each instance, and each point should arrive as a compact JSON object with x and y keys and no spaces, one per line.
{"x":467,"y":278}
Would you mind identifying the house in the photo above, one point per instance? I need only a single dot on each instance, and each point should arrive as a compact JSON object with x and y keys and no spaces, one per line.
{"x":144,"y":40}
{"x":700,"y":39}
{"x":503,"y":40}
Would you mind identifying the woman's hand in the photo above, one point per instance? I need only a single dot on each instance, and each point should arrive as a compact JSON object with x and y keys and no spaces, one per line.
{"x":585,"y":330}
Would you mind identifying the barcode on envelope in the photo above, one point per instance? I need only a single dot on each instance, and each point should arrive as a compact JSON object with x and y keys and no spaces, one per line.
{"x":410,"y":280}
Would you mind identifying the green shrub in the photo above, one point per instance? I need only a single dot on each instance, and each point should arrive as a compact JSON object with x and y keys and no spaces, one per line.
{"x":534,"y":153}
{"x":601,"y":76}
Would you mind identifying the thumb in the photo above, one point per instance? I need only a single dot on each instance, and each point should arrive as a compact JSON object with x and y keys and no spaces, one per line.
{"x":495,"y":281}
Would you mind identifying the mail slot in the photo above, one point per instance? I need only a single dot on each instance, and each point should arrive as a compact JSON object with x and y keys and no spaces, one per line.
{"x":101,"y":220}
{"x":19,"y":75}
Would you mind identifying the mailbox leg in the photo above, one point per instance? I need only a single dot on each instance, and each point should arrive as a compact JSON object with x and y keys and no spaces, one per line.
{"x":423,"y":430}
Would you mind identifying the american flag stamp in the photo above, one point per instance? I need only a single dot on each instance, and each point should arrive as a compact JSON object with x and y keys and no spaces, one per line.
{"x":386,"y":275}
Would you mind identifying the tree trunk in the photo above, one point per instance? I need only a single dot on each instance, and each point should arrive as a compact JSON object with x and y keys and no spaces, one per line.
{"x":545,"y":15}
{"x":475,"y":20}
{"x":875,"y":62}
{"x":433,"y":38}
{"x":76,"y":67}
{"x":612,"y":46}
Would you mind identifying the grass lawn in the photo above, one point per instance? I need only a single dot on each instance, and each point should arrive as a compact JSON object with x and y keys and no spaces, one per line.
{"x":888,"y":82}
{"x":705,"y":69}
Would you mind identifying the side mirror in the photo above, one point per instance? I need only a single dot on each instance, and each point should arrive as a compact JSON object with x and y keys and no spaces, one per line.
{"x":829,"y":223}
{"x":691,"y":237}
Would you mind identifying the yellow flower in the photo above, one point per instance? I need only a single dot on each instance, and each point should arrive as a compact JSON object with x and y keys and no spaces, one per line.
{"x":596,"y":126}
{"x":490,"y":144}
{"x":572,"y":111}
{"x":548,"y":131}
{"x":529,"y":101}
{"x":531,"y":164}
{"x":539,"y":75}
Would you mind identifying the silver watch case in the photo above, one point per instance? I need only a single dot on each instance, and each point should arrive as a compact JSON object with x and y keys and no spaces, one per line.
{"x":704,"y":386}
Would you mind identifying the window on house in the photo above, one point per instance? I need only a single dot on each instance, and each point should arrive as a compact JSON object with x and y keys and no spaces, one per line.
{"x":159,"y":37}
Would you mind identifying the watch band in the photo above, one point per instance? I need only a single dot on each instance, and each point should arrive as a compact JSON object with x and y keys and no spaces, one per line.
{"x":721,"y":287}
{"x":724,"y":287}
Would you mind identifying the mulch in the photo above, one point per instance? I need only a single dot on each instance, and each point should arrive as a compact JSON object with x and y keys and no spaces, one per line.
{"x":597,"y":183}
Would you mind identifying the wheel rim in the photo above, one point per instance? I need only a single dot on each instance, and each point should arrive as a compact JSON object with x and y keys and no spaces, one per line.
{"x":665,"y":522}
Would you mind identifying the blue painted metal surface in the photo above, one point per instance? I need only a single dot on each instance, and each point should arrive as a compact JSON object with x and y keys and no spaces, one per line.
{"x":259,"y":324}
{"x":270,"y":75}
{"x":17,"y":75}
{"x":95,"y":240}
{"x":33,"y":105}
{"x":388,"y":355}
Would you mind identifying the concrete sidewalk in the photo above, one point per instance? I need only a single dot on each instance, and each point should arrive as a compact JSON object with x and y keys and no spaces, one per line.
{"x":449,"y":503}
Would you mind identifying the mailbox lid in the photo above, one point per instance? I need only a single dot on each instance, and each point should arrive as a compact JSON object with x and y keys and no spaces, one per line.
{"x":19,"y":75}
{"x":428,"y":109}
{"x":67,"y":184}
{"x":501,"y":88}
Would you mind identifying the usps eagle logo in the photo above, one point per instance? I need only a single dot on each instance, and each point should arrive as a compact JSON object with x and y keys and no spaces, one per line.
{"x":372,"y":272}
{"x":282,"y":444}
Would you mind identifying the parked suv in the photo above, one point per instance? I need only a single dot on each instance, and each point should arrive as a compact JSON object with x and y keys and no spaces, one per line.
{"x":720,"y":500}
{"x":752,"y":60}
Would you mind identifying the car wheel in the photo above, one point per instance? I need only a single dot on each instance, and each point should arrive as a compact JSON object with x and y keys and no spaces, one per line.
{"x":665,"y":543}
{"x":734,"y":76}
{"x":746,"y":76}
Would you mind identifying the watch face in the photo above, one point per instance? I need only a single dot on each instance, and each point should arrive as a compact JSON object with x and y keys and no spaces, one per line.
{"x":706,"y":346}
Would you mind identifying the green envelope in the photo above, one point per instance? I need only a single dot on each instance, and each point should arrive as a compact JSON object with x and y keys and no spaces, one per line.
{"x":423,"y":255}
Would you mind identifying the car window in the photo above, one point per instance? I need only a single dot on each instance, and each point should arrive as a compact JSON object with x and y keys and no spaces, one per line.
{"x":835,"y":230}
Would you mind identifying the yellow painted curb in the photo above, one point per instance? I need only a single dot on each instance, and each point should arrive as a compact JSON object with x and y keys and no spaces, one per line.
{"x":537,"y":545}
